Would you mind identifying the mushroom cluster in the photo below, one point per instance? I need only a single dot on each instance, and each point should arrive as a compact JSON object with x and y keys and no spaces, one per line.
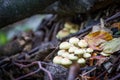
{"x":73,"y":51}
{"x":69,"y":28}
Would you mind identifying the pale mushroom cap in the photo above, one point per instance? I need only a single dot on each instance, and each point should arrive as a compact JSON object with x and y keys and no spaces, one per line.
{"x":82,"y":44}
{"x":79,"y":51}
{"x":72,"y":45}
{"x":66,"y":61}
{"x":73,"y":30}
{"x":65,"y":54}
{"x":86,"y":55}
{"x":72,"y":57}
{"x":84,"y":50}
{"x":104,"y":54}
{"x":62,"y":34}
{"x":57,"y":59}
{"x":65,"y":45}
{"x":60,"y":52}
{"x":74,"y":40}
{"x":72,"y":49}
{"x":89,"y":50}
{"x":65,"y":29}
{"x":81,"y":61}
{"x":68,"y":25}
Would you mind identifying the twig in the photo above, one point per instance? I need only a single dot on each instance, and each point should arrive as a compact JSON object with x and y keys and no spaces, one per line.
{"x":89,"y":71}
{"x":109,"y":68}
{"x":45,"y":70}
{"x":116,"y":77}
{"x":31,"y":73}
{"x":51,"y":54}
{"x":113,"y":17}
{"x":100,"y":75}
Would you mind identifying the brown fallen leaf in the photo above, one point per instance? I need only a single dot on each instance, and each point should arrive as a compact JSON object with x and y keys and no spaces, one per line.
{"x":99,"y":59}
{"x":116,"y":25}
{"x":96,"y":38}
{"x":92,"y":78}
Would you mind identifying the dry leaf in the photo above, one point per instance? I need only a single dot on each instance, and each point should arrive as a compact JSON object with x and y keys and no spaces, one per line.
{"x":101,"y":27}
{"x":111,"y":46}
{"x":116,"y":25}
{"x":92,"y":78}
{"x":96,"y":38}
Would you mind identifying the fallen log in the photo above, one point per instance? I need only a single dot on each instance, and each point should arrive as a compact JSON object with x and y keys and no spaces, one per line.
{"x":12,"y":10}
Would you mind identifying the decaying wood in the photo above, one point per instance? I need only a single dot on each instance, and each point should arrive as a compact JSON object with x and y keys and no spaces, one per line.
{"x":58,"y":72}
{"x":12,"y":48}
{"x":22,"y":43}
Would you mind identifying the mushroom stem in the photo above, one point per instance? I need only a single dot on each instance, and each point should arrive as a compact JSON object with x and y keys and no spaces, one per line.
{"x":73,"y":71}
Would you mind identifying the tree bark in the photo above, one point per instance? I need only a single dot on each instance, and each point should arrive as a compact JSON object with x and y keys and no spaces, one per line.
{"x":15,"y":10}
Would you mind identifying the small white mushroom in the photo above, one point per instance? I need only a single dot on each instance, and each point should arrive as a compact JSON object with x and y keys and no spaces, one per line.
{"x":81,"y":61}
{"x":60,"y":52}
{"x":73,"y":31}
{"x":65,"y":29}
{"x":65,"y":54}
{"x":72,"y":57}
{"x":86,"y":55}
{"x":62,"y":34}
{"x":57,"y":59}
{"x":68,"y":25}
{"x":64,"y":45}
{"x":66,"y":61}
{"x":72,"y":49}
{"x":84,"y":50}
{"x":89,"y":50}
{"x":79,"y":51}
{"x":74,"y":40}
{"x":82,"y":44}
{"x":104,"y":54}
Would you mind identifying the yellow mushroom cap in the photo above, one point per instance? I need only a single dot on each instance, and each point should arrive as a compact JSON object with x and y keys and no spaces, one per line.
{"x":65,"y":54}
{"x":64,"y":45}
{"x":72,"y":57}
{"x":72,"y":49}
{"x":81,"y":61}
{"x":68,"y":25}
{"x":79,"y":51}
{"x":66,"y":61}
{"x":60,"y":52}
{"x":82,"y":44}
{"x":73,"y":31}
{"x":62,"y":33}
{"x":74,"y":40}
{"x":89,"y":50}
{"x":57,"y":59}
{"x":84,"y":50}
{"x":86,"y":55}
{"x":104,"y":54}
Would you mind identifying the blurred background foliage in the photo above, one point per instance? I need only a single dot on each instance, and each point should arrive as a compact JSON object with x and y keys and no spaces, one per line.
{"x":31,"y":23}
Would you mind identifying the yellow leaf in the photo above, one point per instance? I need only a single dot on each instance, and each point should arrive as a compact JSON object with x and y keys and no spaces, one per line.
{"x":96,"y":38}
